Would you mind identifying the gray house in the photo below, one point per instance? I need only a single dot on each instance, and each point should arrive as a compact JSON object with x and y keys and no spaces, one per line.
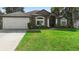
{"x":20,"y":20}
{"x":64,"y":22}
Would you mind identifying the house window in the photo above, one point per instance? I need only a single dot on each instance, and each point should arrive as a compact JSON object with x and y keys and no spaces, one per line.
{"x":39,"y":23}
{"x":40,"y":20}
{"x":63,"y":22}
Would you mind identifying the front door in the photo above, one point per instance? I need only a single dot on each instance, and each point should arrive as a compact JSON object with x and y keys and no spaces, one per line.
{"x":52,"y":21}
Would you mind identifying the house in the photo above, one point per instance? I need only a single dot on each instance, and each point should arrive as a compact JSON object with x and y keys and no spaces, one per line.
{"x":70,"y":20}
{"x":20,"y":20}
{"x":61,"y":22}
{"x":64,"y":22}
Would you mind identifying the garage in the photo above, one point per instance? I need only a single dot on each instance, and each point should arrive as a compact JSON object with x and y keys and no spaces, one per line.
{"x":15,"y":23}
{"x":17,"y":20}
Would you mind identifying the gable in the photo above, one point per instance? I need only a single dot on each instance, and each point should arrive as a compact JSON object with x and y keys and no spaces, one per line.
{"x":63,"y":18}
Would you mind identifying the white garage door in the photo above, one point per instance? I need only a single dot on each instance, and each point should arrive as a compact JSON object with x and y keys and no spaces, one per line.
{"x":15,"y":23}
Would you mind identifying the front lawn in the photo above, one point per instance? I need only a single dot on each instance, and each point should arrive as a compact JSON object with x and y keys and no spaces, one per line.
{"x":50,"y":40}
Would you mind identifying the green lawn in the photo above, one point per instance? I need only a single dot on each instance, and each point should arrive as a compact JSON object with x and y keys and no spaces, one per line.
{"x":50,"y":40}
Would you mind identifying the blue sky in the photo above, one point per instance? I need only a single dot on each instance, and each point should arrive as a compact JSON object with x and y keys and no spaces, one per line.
{"x":36,"y":8}
{"x":27,"y":9}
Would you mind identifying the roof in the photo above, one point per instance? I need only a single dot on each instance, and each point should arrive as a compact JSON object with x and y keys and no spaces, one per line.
{"x":31,"y":12}
{"x":28,"y":14}
{"x":16,"y":14}
{"x":43,"y":12}
{"x":38,"y":12}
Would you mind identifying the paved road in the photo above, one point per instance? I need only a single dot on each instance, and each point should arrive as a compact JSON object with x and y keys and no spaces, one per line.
{"x":9,"y":39}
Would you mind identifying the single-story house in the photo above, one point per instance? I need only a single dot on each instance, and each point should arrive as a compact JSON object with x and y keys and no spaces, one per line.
{"x":64,"y":22}
{"x":61,"y":22}
{"x":20,"y":20}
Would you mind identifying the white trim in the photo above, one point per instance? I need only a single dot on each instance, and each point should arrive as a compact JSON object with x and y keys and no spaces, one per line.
{"x":36,"y":18}
{"x":48,"y":22}
{"x":56,"y":21}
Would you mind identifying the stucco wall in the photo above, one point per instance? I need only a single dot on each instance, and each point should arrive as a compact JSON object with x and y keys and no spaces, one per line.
{"x":33,"y":20}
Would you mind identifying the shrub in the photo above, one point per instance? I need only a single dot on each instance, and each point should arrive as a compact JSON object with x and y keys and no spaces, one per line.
{"x":29,"y":25}
{"x":40,"y":27}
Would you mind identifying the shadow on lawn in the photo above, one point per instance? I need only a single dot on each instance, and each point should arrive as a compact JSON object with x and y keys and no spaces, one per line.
{"x":67,"y":29}
{"x":60,"y":29}
{"x":34,"y":30}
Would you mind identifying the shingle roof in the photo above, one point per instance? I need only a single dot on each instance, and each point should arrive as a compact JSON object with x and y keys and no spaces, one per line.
{"x":32,"y":12}
{"x":28,"y":14}
{"x":16,"y":14}
{"x":43,"y":12}
{"x":38,"y":12}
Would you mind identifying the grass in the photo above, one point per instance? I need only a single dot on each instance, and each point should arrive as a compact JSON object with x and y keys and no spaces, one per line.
{"x":50,"y":40}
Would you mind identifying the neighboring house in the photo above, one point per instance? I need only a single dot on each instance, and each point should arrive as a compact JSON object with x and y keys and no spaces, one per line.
{"x":72,"y":22}
{"x":63,"y":22}
{"x":76,"y":19}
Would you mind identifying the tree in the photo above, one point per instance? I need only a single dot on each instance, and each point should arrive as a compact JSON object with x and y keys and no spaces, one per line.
{"x":57,"y":12}
{"x":69,"y":13}
{"x":13,"y":9}
{"x":1,"y":13}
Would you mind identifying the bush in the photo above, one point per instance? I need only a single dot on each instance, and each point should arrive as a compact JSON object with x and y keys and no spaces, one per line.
{"x":29,"y":25}
{"x":40,"y":27}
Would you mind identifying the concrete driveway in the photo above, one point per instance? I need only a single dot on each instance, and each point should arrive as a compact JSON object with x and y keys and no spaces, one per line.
{"x":9,"y":39}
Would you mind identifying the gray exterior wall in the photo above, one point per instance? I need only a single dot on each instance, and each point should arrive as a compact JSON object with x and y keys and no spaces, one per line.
{"x":33,"y":20}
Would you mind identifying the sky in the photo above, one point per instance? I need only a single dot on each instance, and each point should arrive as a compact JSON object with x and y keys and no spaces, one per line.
{"x":27,"y":9}
{"x":36,"y":8}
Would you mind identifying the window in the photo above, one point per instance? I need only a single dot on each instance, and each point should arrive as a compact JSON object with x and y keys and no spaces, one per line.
{"x":63,"y":22}
{"x":39,"y":23}
{"x":40,"y":20}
